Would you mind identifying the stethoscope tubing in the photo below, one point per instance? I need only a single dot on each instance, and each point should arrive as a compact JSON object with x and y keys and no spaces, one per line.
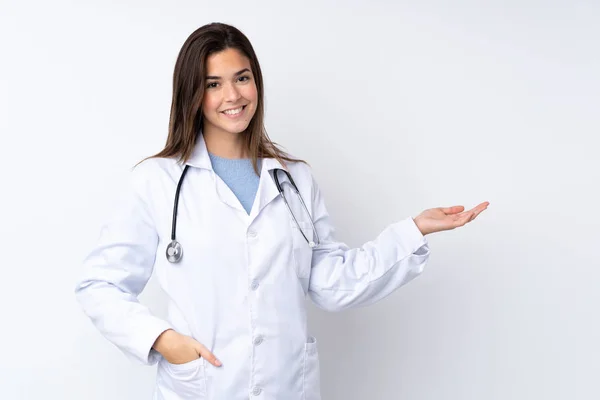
{"x":174,"y":250}
{"x":311,"y":243}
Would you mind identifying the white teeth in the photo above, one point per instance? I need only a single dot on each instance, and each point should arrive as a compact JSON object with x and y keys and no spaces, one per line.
{"x":233,"y":112}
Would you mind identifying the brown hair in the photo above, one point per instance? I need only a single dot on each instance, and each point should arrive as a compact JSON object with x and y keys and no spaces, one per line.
{"x":188,"y":91}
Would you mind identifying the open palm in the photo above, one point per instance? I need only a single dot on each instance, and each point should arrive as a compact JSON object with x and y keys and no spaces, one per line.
{"x":446,"y":218}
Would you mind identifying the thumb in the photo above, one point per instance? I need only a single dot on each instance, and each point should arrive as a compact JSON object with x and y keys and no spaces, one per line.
{"x":206,"y":354}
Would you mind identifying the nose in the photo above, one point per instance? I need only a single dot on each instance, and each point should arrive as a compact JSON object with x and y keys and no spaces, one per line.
{"x":231,"y":93}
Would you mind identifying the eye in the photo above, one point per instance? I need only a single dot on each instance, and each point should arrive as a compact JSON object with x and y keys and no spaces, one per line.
{"x":244,"y":78}
{"x":212,"y":85}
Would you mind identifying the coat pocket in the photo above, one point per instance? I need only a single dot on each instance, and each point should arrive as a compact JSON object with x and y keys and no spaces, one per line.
{"x":302,"y":252}
{"x":312,"y":379}
{"x":181,"y":381}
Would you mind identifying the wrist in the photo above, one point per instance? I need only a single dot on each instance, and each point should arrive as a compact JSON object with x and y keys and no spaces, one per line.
{"x":160,"y":344}
{"x":417,"y":222}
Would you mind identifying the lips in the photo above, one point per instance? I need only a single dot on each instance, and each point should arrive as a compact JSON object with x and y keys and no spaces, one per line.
{"x":231,"y":111}
{"x":234,"y":113}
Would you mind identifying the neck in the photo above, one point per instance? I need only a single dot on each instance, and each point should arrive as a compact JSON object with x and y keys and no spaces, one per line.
{"x":225,"y":144}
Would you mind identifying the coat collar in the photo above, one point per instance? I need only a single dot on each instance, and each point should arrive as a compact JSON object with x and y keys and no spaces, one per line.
{"x":266,"y":191}
{"x":200,"y":158}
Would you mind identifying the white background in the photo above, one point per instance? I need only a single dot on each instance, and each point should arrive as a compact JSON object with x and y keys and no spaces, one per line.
{"x":399,"y":107}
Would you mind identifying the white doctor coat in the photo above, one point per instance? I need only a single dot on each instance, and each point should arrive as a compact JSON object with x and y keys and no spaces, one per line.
{"x":241,"y":285}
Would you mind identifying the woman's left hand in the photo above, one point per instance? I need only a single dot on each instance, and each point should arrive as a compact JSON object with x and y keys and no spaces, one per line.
{"x":446,"y":218}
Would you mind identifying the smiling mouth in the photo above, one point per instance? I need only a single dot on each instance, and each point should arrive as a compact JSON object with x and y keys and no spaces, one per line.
{"x":234,"y":111}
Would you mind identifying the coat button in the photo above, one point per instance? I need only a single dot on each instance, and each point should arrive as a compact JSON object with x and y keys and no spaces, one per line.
{"x":254,"y":285}
{"x":252,"y":234}
{"x":256,"y":390}
{"x":258,"y":340}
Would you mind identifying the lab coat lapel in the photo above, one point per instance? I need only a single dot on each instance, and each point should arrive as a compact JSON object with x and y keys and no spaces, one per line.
{"x":201,"y":159}
{"x":226,"y":194}
{"x":267,"y":191}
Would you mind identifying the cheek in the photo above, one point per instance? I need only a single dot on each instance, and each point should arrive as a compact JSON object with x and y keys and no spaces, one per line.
{"x":209,"y":104}
{"x":251,"y":93}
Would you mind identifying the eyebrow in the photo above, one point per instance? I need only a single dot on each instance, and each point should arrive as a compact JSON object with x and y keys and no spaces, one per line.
{"x":236,"y":74}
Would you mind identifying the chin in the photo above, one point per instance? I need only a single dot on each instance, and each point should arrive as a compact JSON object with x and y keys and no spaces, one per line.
{"x":235,"y":129}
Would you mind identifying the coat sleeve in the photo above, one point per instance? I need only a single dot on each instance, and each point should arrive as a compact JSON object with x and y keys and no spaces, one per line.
{"x":116,"y":271}
{"x":342,"y":277}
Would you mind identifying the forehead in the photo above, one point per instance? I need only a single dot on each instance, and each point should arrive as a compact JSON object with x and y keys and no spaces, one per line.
{"x":226,"y":62}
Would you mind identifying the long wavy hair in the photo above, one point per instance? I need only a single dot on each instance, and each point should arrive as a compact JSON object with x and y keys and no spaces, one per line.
{"x":188,"y":92}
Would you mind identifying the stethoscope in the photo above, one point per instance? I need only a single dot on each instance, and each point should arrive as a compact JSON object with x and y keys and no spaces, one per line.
{"x":174,"y":249}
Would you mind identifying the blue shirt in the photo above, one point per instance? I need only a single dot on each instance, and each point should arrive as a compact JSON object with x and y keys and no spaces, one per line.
{"x":239,"y":176}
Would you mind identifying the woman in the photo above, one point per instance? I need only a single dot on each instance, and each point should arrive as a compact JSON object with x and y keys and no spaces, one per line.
{"x":237,"y":265}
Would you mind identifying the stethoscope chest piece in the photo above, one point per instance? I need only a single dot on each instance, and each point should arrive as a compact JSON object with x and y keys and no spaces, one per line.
{"x":174,"y":251}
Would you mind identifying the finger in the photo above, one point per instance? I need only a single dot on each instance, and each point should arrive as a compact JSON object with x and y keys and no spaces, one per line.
{"x":473,"y":216}
{"x":478,"y":208}
{"x":475,"y":213}
{"x":207,"y":355}
{"x":464,"y":218}
{"x":452,"y":210}
{"x":464,"y":214}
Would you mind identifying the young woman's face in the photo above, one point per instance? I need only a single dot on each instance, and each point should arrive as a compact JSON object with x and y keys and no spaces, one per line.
{"x":230,"y":95}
